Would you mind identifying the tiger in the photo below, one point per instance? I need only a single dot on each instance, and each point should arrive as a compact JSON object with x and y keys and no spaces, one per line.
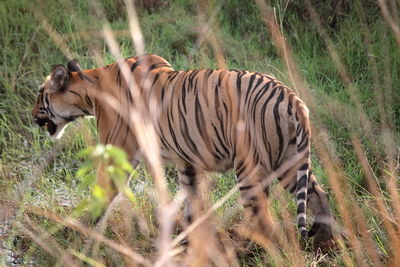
{"x":206,"y":120}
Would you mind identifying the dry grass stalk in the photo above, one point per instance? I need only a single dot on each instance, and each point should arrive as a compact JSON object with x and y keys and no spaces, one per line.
{"x":372,"y":63}
{"x":146,"y":136}
{"x":300,"y":85}
{"x":335,"y":176}
{"x":291,"y":65}
{"x":340,"y":66}
{"x":355,"y":98}
{"x":134,"y":27}
{"x":49,"y":244}
{"x":207,"y":32}
{"x":284,"y":50}
{"x":86,"y":259}
{"x":387,"y":132}
{"x":287,"y":229}
{"x":390,"y":18}
{"x":79,"y":227}
{"x":58,"y":39}
{"x":378,"y":198}
{"x":93,"y":34}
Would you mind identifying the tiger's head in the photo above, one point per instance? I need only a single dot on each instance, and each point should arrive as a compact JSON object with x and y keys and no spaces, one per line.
{"x":62,"y":98}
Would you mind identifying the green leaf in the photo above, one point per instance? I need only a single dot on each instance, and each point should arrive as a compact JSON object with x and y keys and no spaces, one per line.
{"x":99,"y":193}
{"x":87,"y":181}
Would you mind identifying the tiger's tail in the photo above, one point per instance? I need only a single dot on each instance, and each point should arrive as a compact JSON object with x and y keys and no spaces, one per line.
{"x":303,"y":136}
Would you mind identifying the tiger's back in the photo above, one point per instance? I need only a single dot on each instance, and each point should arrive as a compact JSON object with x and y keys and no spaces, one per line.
{"x":204,"y":114}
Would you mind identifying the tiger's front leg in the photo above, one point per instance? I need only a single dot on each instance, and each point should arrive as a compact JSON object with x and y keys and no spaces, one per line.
{"x":106,"y":184}
{"x":112,"y":196}
{"x":188,"y":179}
{"x":189,"y":184}
{"x":205,"y":232}
{"x":124,"y":139}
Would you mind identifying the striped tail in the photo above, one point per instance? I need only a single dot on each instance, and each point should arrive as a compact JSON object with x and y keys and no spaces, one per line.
{"x":301,"y":195}
{"x":303,"y":146}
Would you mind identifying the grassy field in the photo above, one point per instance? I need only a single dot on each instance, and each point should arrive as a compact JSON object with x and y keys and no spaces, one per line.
{"x":344,"y":61}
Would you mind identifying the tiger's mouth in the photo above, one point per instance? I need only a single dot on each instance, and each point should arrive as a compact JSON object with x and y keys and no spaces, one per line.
{"x":50,"y":126}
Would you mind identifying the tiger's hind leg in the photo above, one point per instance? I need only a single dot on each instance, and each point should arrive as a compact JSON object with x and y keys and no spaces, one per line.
{"x":322,"y":227}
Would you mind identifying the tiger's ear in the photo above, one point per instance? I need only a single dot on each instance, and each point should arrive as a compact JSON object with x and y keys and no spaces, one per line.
{"x":58,"y":78}
{"x":73,"y":65}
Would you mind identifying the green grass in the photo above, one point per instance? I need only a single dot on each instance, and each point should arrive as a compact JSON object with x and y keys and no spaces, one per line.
{"x":36,"y":171}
